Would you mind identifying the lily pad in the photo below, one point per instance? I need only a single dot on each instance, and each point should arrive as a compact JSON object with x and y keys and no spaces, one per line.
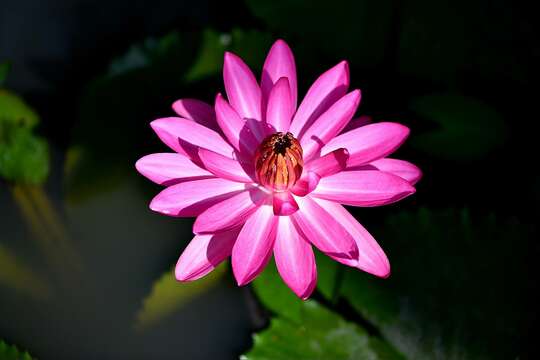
{"x":168,"y":295}
{"x":317,"y":334}
{"x":456,"y":282}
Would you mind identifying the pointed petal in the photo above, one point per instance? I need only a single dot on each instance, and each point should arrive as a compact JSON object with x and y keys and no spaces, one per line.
{"x":326,"y":90}
{"x":284,"y":204}
{"x":369,"y":142}
{"x":241,"y":86}
{"x":226,"y":168}
{"x":183,"y":134}
{"x":329,"y":164}
{"x":196,"y":110}
{"x":323,"y":231}
{"x":371,"y":258}
{"x":229,"y":213}
{"x":401,"y":168}
{"x":190,"y":198}
{"x":306,"y":184}
{"x":203,"y":254}
{"x":169,"y":168}
{"x":253,"y":247}
{"x":279,"y":63}
{"x":363,"y":188}
{"x":329,"y":124}
{"x":235,"y":129}
{"x":280,"y":107}
{"x":294,"y":258}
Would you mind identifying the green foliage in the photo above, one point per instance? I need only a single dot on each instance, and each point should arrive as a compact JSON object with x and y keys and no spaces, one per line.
{"x":453,"y":274}
{"x":10,"y":352}
{"x":168,"y":295}
{"x":467,"y":129}
{"x":317,"y":334}
{"x":4,"y":70}
{"x":275,"y":295}
{"x":24,"y":157}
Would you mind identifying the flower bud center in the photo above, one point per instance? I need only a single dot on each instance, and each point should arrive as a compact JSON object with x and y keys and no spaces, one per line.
{"x":278,"y":161}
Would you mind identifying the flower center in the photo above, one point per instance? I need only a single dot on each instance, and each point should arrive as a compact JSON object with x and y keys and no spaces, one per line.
{"x":278,"y":161}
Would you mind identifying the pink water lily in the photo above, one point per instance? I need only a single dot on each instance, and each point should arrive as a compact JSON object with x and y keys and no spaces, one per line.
{"x":264,"y":176}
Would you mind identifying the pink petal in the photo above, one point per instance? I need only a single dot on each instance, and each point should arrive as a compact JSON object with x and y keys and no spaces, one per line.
{"x":306,"y":184}
{"x":329,"y":124}
{"x":279,"y":63}
{"x":280,"y":107}
{"x":326,"y":90}
{"x":225,"y":167}
{"x":371,"y":258}
{"x":190,"y":198}
{"x":284,"y":204}
{"x":196,"y":110}
{"x":229,"y":213}
{"x":358,"y":122}
{"x":169,"y":168}
{"x":323,"y":231}
{"x":329,"y":164}
{"x":241,"y":86}
{"x":253,"y":247}
{"x":294,"y":258}
{"x":182,"y":134}
{"x":401,"y":168}
{"x":236,"y":129}
{"x":363,"y":188}
{"x":204,"y":253}
{"x":369,"y":142}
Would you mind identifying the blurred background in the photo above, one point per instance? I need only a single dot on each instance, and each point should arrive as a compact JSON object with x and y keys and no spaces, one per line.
{"x":85,"y":266}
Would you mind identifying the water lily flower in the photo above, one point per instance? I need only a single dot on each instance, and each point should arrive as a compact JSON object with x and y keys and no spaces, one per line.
{"x":266,"y":177}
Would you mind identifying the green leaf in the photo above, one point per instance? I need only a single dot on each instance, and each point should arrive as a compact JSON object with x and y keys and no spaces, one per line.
{"x":327,"y":275}
{"x":275,"y":295}
{"x":467,"y":129}
{"x":14,"y":110}
{"x":10,"y":352}
{"x":168,"y":296}
{"x":18,"y":276}
{"x":24,"y":157}
{"x":317,"y":334}
{"x":4,"y":70}
{"x":452,"y":274}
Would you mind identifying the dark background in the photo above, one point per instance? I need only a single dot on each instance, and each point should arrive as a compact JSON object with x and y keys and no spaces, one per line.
{"x":463,"y":70}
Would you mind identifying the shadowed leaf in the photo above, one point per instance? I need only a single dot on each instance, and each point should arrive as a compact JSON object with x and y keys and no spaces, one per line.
{"x":10,"y":352}
{"x":168,"y":295}
{"x":318,"y":334}
{"x":467,"y":129}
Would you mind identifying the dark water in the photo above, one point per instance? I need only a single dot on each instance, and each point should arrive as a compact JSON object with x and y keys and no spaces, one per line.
{"x":55,"y":48}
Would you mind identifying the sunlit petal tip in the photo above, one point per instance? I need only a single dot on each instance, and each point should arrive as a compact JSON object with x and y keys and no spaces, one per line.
{"x":284,"y":204}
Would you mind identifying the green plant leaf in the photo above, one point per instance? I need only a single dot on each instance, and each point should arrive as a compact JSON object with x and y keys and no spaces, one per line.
{"x":18,"y":276}
{"x":317,"y":334}
{"x":4,"y":70}
{"x":168,"y":295}
{"x":10,"y":352}
{"x":275,"y":295}
{"x":467,"y":129}
{"x":24,"y":157}
{"x":452,"y":274}
{"x":13,"y":110}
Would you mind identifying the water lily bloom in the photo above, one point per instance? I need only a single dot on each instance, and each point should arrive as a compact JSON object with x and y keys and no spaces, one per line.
{"x":266,"y":177}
